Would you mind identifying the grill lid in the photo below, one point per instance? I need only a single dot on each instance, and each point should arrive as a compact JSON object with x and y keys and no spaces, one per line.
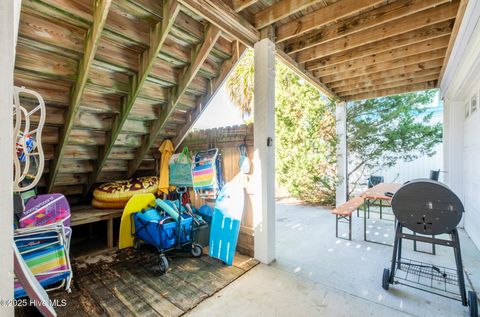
{"x":427,"y":207}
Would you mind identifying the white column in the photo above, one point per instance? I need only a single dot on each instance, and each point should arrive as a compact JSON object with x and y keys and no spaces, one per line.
{"x":453,"y":118}
{"x":17,"y":6}
{"x":342,"y":164}
{"x":9,"y":11}
{"x":264,"y":151}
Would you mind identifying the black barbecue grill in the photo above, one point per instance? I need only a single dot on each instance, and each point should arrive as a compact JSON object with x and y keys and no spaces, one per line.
{"x":428,"y":208}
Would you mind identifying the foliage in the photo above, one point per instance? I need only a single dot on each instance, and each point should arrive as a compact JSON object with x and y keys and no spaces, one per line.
{"x":305,"y":131}
{"x":306,"y":139}
{"x":385,"y":130}
{"x":381,"y":131}
{"x":240,"y":84}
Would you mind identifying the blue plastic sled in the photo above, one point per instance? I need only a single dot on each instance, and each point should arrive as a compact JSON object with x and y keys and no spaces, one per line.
{"x":225,"y":227}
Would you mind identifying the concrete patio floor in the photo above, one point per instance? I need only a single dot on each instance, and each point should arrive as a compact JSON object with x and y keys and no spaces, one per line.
{"x":316,"y":274}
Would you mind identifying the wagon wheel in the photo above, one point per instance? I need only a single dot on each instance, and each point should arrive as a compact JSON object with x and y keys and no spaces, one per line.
{"x":472,"y":304}
{"x":163,"y":264}
{"x":197,"y":250}
{"x":386,"y":279}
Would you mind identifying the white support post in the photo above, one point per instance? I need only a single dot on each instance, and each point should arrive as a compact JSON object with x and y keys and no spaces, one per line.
{"x":342,"y":164}
{"x":17,"y":6}
{"x":264,"y":151}
{"x":9,"y":17}
{"x":453,"y":119}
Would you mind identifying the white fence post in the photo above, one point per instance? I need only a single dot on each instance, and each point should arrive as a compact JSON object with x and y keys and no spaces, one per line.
{"x":342,"y":164}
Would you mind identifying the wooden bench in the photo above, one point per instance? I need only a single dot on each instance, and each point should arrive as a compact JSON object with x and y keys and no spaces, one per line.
{"x":87,"y":214}
{"x":344,"y":212}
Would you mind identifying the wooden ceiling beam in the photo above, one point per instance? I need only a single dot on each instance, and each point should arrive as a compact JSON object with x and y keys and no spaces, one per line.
{"x":405,"y":51}
{"x":453,"y":37}
{"x":387,"y":13}
{"x":405,"y":82}
{"x":200,"y":54}
{"x":92,"y":37}
{"x":410,"y":38}
{"x":239,"y":5}
{"x":225,"y":18}
{"x":393,"y":91}
{"x":158,"y":35}
{"x":78,"y":15}
{"x":381,"y":32}
{"x":375,"y":68}
{"x":281,"y":10}
{"x":227,"y":67}
{"x":322,"y":17}
{"x":186,"y":27}
{"x":387,"y":73}
{"x":358,"y":84}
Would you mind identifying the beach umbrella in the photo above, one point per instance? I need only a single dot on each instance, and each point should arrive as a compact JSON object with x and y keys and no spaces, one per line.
{"x":166,"y":150}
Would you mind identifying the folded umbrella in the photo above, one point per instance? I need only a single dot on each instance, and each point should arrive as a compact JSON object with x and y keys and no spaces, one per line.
{"x":166,"y":150}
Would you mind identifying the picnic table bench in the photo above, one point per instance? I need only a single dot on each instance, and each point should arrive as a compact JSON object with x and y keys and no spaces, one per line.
{"x":87,"y":214}
{"x":345,"y":211}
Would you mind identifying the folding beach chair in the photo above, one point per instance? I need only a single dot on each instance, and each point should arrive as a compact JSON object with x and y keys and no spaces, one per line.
{"x":207,"y":173}
{"x":45,"y":250}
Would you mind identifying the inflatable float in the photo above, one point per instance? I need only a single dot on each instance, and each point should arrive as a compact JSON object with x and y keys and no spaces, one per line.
{"x":116,"y":194}
{"x":108,"y":204}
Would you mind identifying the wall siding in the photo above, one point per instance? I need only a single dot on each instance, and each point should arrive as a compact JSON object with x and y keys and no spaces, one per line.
{"x":460,"y":83}
{"x":471,"y":167}
{"x":419,"y":168}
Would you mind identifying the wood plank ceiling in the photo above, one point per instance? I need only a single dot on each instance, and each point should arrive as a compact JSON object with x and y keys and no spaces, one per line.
{"x":118,"y":77}
{"x":361,"y":49}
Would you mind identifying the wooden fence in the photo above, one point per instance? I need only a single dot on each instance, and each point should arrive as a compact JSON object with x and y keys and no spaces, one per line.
{"x":228,"y":140}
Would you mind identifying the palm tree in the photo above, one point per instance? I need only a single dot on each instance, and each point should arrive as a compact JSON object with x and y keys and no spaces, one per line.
{"x":305,"y":130}
{"x":240,"y":84}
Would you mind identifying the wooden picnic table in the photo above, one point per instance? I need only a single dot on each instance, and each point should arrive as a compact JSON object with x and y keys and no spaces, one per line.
{"x":377,"y":193}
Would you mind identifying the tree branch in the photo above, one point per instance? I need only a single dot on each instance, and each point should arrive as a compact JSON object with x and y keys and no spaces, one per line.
{"x":357,"y":167}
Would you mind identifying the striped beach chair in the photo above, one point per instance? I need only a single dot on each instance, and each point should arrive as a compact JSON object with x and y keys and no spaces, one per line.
{"x":207,"y":173}
{"x":45,"y":250}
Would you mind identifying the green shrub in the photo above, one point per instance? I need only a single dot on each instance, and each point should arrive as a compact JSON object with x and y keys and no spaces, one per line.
{"x":305,"y":131}
{"x":380,"y":131}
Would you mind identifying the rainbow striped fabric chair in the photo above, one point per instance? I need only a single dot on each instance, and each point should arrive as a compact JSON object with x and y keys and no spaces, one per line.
{"x":207,"y":173}
{"x":45,"y":250}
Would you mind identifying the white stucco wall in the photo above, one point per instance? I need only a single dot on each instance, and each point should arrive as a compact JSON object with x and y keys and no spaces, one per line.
{"x":462,"y":134}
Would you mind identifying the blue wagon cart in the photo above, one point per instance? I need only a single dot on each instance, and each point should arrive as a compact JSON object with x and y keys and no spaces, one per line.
{"x":154,"y":226}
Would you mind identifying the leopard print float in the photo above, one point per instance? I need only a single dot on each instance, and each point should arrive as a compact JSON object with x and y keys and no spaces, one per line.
{"x":122,"y":191}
